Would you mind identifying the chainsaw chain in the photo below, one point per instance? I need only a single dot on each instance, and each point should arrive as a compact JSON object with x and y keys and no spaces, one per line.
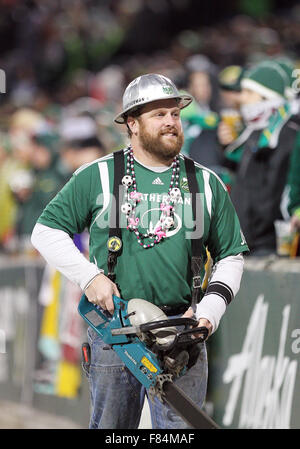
{"x":157,"y":389}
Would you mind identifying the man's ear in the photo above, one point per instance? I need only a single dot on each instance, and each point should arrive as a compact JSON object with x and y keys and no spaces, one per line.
{"x":132,"y":124}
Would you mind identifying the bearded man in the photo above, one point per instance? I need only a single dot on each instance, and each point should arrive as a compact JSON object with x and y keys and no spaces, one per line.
{"x":157,"y":233}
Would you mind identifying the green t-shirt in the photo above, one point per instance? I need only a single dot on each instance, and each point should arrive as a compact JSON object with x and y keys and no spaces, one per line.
{"x":160,"y":274}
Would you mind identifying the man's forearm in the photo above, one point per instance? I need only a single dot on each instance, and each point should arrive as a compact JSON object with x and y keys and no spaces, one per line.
{"x":59,"y":250}
{"x":223,"y":285}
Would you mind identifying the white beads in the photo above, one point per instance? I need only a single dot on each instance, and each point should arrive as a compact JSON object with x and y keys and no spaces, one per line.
{"x":167,"y":222}
{"x":175,"y":193}
{"x":126,"y":208}
{"x":127,"y":181}
{"x":134,"y":197}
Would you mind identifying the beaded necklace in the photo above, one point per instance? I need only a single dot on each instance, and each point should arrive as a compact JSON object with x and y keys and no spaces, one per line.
{"x":133,"y":197}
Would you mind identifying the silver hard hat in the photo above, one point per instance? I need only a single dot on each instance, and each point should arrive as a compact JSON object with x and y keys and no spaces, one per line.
{"x":148,"y":88}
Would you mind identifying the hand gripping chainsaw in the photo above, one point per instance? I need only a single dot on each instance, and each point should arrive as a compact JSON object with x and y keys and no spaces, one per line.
{"x":153,"y":349}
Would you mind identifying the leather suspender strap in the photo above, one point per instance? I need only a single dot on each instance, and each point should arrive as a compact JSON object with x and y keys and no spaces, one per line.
{"x":196,"y":260}
{"x":114,"y":243}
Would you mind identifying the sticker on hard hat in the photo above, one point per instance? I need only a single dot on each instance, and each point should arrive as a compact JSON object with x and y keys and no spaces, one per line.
{"x":168,"y":90}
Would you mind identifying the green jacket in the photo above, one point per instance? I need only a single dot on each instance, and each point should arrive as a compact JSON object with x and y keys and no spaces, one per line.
{"x":294,"y":180}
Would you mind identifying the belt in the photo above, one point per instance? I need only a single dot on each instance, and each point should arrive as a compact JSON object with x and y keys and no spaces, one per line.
{"x":174,"y":310}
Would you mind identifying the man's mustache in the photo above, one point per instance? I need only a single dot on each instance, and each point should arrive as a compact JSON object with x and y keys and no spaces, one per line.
{"x":169,"y":130}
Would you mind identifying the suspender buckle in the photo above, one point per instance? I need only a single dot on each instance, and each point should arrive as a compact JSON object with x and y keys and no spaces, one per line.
{"x":196,"y":282}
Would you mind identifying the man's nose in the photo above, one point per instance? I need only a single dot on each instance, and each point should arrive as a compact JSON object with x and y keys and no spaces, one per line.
{"x":170,"y":120}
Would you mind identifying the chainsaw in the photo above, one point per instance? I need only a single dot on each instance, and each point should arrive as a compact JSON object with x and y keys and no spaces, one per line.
{"x":153,"y":348}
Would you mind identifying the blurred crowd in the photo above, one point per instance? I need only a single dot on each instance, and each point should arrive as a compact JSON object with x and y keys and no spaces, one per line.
{"x":65,"y":77}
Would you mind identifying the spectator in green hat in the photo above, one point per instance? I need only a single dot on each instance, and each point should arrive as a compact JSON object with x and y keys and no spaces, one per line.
{"x":265,"y":146}
{"x":263,"y":91}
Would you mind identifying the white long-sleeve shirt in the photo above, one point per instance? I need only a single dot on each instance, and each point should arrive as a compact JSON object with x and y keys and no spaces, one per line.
{"x":59,"y":250}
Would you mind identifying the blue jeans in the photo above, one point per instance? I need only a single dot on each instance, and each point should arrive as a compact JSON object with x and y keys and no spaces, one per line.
{"x":117,"y":398}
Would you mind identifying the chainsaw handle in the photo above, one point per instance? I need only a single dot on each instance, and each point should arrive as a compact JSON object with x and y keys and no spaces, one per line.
{"x":181,"y":337}
{"x":146,"y":327}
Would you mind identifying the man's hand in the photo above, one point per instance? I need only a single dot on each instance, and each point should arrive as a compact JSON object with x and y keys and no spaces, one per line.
{"x":225,"y":134}
{"x":202,"y":322}
{"x":295,"y":223}
{"x":206,"y":323}
{"x":101,"y":291}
